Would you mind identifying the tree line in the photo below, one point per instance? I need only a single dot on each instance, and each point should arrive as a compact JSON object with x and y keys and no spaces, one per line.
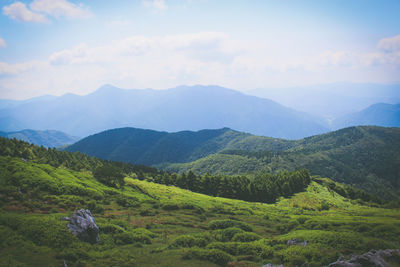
{"x":262,"y":187}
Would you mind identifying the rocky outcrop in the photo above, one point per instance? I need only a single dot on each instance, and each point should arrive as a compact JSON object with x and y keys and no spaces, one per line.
{"x":82,"y":225}
{"x":295,"y":241}
{"x":375,"y":258}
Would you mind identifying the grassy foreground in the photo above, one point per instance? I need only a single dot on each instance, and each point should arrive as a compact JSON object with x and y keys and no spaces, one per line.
{"x":148,"y":224}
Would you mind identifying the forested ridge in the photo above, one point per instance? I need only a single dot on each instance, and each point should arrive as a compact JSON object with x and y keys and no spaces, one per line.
{"x":264,"y":187}
{"x":366,"y":157}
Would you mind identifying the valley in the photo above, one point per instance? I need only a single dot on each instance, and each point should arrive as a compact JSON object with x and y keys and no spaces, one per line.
{"x":143,"y":223}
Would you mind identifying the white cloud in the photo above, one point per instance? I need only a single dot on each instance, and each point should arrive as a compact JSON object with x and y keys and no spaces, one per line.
{"x":60,"y":8}
{"x":72,"y":56}
{"x":391,"y":44}
{"x":38,"y":10}
{"x":204,"y":46}
{"x":198,"y":58}
{"x":155,"y":4}
{"x":3,"y":43}
{"x":17,"y":68}
{"x":334,"y":59}
{"x":19,"y":11}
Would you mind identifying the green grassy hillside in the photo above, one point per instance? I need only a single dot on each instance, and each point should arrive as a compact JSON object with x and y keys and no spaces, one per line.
{"x":147,"y":224}
{"x":366,"y":157}
{"x":139,"y":146}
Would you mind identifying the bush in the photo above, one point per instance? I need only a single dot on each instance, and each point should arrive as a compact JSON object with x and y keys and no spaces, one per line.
{"x":93,"y":207}
{"x":41,"y":230}
{"x":188,"y":241}
{"x":129,"y":238}
{"x":254,"y":249}
{"x":213,"y":255}
{"x":73,"y":254}
{"x":142,"y":231}
{"x":170,"y":206}
{"x":109,"y":228}
{"x":237,"y":248}
{"x":189,"y":206}
{"x":228,"y":247}
{"x":222,"y":224}
{"x":245,"y":237}
{"x":127,"y":202}
{"x":147,"y":212}
{"x":227,"y":234}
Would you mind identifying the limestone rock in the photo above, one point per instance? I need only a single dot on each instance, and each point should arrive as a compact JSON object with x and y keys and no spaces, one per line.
{"x":82,"y":225}
{"x":376,"y":258}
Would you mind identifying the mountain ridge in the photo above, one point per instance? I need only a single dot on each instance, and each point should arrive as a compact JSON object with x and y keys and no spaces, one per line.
{"x":366,"y":156}
{"x":175,"y":109}
{"x":47,"y":138}
{"x":379,"y":114}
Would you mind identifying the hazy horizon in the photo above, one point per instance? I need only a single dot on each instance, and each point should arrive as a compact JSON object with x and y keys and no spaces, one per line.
{"x":59,"y":46}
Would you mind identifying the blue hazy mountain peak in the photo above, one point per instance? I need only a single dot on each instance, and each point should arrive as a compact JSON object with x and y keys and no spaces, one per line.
{"x":180,"y":108}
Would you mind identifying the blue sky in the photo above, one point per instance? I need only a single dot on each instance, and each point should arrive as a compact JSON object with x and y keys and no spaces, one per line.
{"x":60,"y":46}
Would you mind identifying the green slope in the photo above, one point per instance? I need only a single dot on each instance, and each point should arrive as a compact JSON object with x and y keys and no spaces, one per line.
{"x":149,"y":147}
{"x":148,"y":224}
{"x":367,"y":157}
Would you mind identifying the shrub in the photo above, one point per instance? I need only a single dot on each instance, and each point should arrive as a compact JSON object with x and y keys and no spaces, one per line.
{"x":142,"y":231}
{"x":302,"y":220}
{"x":228,"y":247}
{"x":41,"y":230}
{"x":127,"y":202}
{"x":73,"y":254}
{"x":53,"y":210}
{"x":222,"y":224}
{"x":109,"y":228}
{"x":213,"y":255}
{"x":129,"y":238}
{"x":93,"y":207}
{"x":245,"y":237}
{"x":170,"y":206}
{"x":237,"y":248}
{"x":188,"y":241}
{"x":227,"y":234}
{"x":254,"y":249}
{"x":147,"y":212}
{"x":190,"y":206}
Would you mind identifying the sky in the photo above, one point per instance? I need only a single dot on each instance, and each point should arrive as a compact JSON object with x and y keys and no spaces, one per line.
{"x":64,"y":46}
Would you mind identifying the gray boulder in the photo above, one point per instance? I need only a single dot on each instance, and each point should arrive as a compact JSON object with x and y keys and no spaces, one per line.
{"x":375,"y":258}
{"x":82,"y":225}
{"x":295,"y":241}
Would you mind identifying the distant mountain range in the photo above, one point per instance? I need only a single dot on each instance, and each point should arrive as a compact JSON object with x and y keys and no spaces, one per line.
{"x":364,"y":156}
{"x":378,"y":114}
{"x":208,"y":107}
{"x":176,"y":109}
{"x":48,"y":138}
{"x":334,"y":100}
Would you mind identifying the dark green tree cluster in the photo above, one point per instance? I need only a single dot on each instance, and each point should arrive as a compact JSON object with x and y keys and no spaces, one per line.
{"x":264,"y":187}
{"x":109,"y":175}
{"x":39,"y":154}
